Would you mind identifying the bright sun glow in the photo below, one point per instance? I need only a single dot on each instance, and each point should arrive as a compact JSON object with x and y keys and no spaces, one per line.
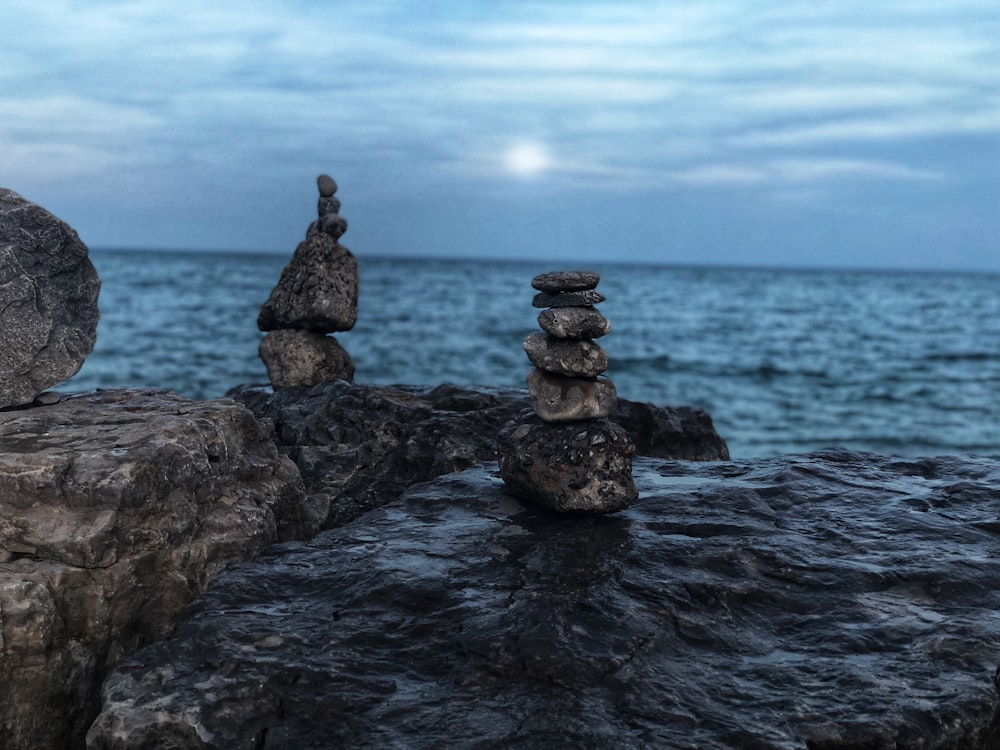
{"x":527,"y":159}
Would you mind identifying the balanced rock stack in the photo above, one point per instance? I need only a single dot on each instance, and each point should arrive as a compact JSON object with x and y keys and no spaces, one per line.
{"x":316,"y":295}
{"x":568,"y":456}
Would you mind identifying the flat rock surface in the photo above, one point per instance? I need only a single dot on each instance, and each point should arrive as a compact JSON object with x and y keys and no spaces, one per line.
{"x":48,"y":300}
{"x":116,"y":509}
{"x":833,"y":600}
{"x":360,"y":446}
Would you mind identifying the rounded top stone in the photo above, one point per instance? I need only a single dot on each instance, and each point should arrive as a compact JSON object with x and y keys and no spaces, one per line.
{"x":326,"y":184}
{"x":566,"y":281}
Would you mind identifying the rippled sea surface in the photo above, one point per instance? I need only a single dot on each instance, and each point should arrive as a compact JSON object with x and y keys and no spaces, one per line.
{"x":785,"y":361}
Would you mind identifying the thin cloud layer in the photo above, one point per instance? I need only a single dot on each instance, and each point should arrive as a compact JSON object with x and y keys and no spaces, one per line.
{"x":632,"y":100}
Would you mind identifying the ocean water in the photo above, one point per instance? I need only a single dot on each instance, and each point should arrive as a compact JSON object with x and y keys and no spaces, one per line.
{"x":784,"y":361}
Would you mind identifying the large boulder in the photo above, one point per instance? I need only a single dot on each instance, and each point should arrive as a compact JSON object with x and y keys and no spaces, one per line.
{"x":116,"y":509}
{"x":48,"y":300}
{"x":835,"y":601}
{"x":360,"y":446}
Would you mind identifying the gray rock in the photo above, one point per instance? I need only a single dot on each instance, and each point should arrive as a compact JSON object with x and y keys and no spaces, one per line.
{"x":304,"y":358}
{"x":566,"y":281}
{"x":359,"y":446}
{"x":318,"y":290}
{"x":117,"y":509}
{"x":833,"y":601}
{"x":567,"y":299}
{"x":48,"y":300}
{"x":560,"y":399}
{"x":47,"y":398}
{"x":333,"y":225}
{"x":574,"y":322}
{"x":328,"y":206}
{"x":570,"y":357}
{"x":327,"y":186}
{"x":581,"y":467}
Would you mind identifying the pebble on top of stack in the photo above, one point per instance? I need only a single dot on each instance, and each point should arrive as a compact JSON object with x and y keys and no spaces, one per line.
{"x":316,"y":295}
{"x":569,"y":456}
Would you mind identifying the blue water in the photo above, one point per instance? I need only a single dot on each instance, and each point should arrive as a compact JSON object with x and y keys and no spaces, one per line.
{"x":785,"y":361}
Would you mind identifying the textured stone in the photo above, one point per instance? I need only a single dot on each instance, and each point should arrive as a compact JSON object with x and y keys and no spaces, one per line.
{"x":304,"y":358}
{"x":327,"y":185}
{"x":560,"y":399}
{"x":359,"y":446}
{"x":328,"y":206}
{"x":574,"y":322}
{"x":580,"y":467}
{"x":570,"y":357}
{"x":318,"y":290}
{"x":116,"y":509}
{"x":48,"y":300}
{"x":833,"y":601}
{"x":567,"y":299}
{"x":566,"y":281}
{"x":333,"y":225}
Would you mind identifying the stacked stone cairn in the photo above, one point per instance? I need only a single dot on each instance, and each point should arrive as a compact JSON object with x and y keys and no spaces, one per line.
{"x":316,"y":295}
{"x":566,"y":454}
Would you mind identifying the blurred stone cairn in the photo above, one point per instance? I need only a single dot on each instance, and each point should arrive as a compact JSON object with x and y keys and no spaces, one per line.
{"x":316,"y":295}
{"x":567,"y":455}
{"x":48,"y":302}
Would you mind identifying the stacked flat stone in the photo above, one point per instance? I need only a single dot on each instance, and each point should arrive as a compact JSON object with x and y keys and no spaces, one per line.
{"x":566,"y":384}
{"x":316,"y":295}
{"x":567,"y":455}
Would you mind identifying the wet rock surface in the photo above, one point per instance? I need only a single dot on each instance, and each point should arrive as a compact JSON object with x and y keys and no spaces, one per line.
{"x":360,"y":446}
{"x":116,"y":509}
{"x":48,"y":300}
{"x":834,"y":600}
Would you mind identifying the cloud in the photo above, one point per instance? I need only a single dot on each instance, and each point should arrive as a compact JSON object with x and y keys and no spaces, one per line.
{"x":793,"y":171}
{"x":633,"y":97}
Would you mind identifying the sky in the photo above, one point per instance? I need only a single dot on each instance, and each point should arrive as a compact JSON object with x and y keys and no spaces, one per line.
{"x":794,"y":133}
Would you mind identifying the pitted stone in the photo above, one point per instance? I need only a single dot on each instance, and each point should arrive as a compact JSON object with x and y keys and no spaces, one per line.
{"x":581,"y":467}
{"x":318,"y":290}
{"x":574,"y":322}
{"x":570,"y":357}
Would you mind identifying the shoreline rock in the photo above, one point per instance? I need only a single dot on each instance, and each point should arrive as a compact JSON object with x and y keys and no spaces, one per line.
{"x":116,"y":509}
{"x":360,"y":446}
{"x":825,"y":601}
